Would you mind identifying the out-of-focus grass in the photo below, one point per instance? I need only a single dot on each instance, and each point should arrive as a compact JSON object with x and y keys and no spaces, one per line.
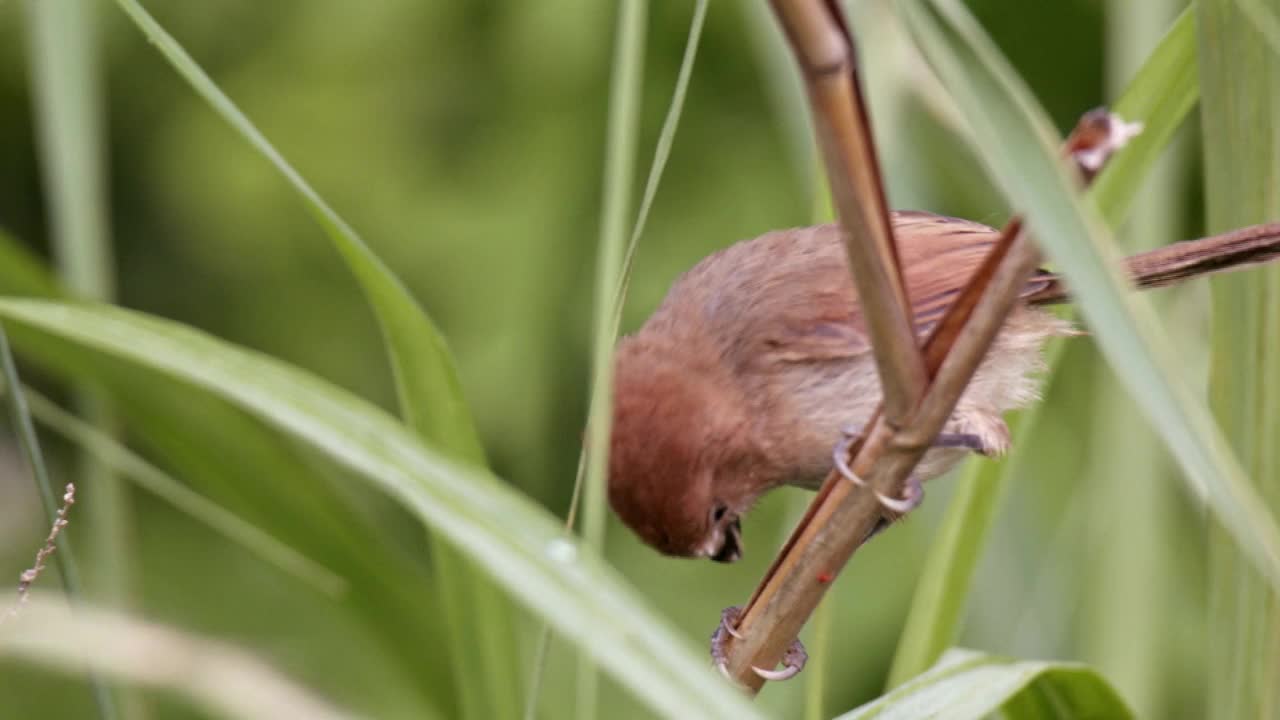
{"x":1160,"y":99}
{"x":1241,"y":150}
{"x":65,"y":45}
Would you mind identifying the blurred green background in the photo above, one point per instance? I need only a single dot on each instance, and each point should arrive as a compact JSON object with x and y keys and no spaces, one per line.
{"x":464,"y":141}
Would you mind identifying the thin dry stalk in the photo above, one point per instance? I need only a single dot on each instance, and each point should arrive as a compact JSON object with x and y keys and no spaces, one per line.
{"x":841,"y":516}
{"x":30,"y":575}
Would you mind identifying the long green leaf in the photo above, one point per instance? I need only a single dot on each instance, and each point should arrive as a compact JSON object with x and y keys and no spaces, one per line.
{"x":69,"y":109}
{"x":129,"y":465}
{"x":22,"y":273}
{"x":483,"y":642}
{"x":1022,"y":157}
{"x":419,"y":356}
{"x":518,"y":543}
{"x":968,"y":685}
{"x":1240,"y":66}
{"x":1129,"y":563}
{"x":1159,"y":96}
{"x":619,"y":166}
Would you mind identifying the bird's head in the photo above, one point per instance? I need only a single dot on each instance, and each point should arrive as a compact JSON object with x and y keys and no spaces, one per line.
{"x":683,"y":465}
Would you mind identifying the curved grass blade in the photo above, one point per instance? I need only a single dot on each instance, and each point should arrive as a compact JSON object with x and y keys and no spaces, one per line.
{"x":418,"y":354}
{"x":967,"y":685}
{"x":120,"y":459}
{"x":1021,"y":157}
{"x":430,"y":398}
{"x":229,"y":683}
{"x":21,"y":273}
{"x":417,"y":351}
{"x":1160,"y":96}
{"x":518,"y":543}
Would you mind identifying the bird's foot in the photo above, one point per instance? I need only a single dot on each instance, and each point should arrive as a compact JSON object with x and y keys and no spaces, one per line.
{"x":913,"y":493}
{"x":793,"y":659}
{"x":728,"y":618}
{"x":912,"y":496}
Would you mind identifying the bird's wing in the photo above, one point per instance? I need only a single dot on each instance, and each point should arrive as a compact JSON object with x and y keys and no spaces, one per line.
{"x":819,"y":317}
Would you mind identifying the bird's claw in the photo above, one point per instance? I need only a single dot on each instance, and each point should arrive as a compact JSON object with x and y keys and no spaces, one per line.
{"x":840,"y":456}
{"x":792,"y":661}
{"x":728,"y":618}
{"x":914,"y":494}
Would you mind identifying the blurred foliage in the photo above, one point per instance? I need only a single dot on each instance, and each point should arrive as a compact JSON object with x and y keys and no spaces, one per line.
{"x":464,"y":142}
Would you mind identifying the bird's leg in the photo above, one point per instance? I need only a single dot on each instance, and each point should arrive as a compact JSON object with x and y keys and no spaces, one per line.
{"x":793,"y":659}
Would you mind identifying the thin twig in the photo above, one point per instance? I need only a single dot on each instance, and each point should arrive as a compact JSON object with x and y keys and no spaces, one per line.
{"x":30,"y":444}
{"x":30,"y":575}
{"x":841,"y":517}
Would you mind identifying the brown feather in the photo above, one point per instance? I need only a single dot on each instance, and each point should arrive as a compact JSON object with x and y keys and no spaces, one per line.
{"x":743,"y":378}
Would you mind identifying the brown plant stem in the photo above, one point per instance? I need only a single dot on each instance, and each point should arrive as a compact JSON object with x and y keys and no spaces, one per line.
{"x":842,"y":516}
{"x":825,"y":52}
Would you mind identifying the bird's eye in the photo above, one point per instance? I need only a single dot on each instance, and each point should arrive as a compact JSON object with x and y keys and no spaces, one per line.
{"x":718,"y":513}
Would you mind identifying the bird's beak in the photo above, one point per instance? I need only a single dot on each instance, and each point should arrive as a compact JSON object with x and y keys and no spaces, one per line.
{"x":731,"y":550}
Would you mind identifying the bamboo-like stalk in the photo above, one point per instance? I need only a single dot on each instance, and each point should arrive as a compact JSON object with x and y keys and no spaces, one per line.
{"x":825,"y":52}
{"x":841,"y":516}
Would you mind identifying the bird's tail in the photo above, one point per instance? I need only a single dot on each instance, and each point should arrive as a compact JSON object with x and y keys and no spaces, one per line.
{"x":1180,"y":261}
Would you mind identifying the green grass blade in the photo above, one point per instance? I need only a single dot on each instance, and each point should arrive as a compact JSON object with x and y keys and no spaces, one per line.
{"x":1241,"y":139}
{"x":619,"y":167}
{"x":1022,"y":157}
{"x":483,"y":645}
{"x":1161,"y":93}
{"x":518,"y":543}
{"x":22,"y":273}
{"x":1129,"y":562}
{"x":967,"y":685}
{"x":129,"y":465}
{"x":69,"y":110}
{"x":661,"y":153}
{"x":64,"y":558}
{"x":418,"y":354}
{"x":1160,"y":97}
{"x":64,"y":48}
{"x":624,"y":111}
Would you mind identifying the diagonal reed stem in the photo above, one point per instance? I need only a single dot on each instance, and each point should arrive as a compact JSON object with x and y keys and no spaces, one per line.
{"x":841,"y":516}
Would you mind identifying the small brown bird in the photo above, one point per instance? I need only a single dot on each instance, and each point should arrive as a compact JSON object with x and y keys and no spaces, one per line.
{"x":757,"y":361}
